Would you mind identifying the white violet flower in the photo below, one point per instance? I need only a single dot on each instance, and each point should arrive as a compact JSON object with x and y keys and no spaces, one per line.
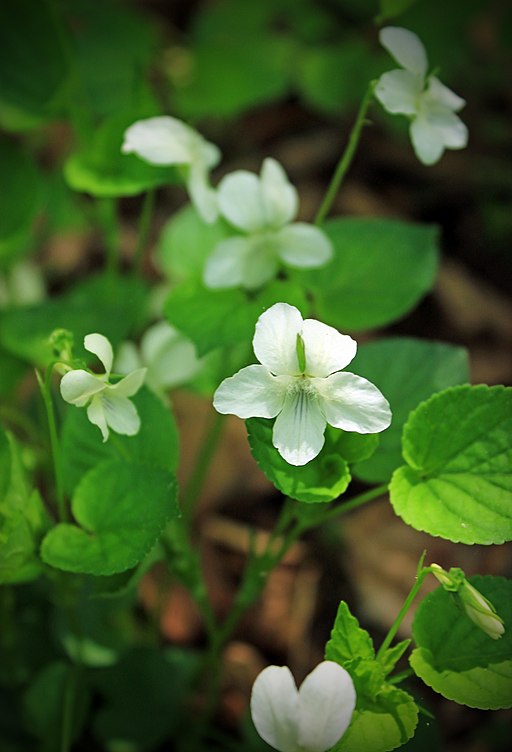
{"x":430,"y":105}
{"x":299,"y":384}
{"x":262,"y":208}
{"x":169,"y":356}
{"x":311,"y":719}
{"x":168,"y":141}
{"x":108,"y":404}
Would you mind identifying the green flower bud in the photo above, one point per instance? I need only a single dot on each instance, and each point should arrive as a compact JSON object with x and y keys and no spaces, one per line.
{"x":481,"y":611}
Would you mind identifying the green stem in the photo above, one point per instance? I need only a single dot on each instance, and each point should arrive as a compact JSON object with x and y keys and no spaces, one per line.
{"x":334,"y":512}
{"x":146,"y":214}
{"x":421,"y":573}
{"x":346,"y":157}
{"x":107,"y":217}
{"x":67,"y":710}
{"x":46,"y":392}
{"x":193,"y":489}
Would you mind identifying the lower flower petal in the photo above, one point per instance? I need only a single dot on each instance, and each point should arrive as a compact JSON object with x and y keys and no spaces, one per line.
{"x":327,"y":699}
{"x":202,"y":195}
{"x":225,"y":265}
{"x":299,"y":429}
{"x":96,"y":415}
{"x":303,"y":245}
{"x":427,"y":141}
{"x":121,"y":414}
{"x":274,"y":708}
{"x":251,"y":393}
{"x":353,"y":403}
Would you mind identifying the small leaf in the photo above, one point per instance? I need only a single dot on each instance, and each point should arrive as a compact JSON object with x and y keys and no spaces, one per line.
{"x":407,"y":371}
{"x":393,"y":8}
{"x":380,"y":270}
{"x":348,"y":639}
{"x":122,"y":509}
{"x":321,"y":480}
{"x":455,"y":657}
{"x":83,"y":449}
{"x":392,"y":655}
{"x":458,"y":480}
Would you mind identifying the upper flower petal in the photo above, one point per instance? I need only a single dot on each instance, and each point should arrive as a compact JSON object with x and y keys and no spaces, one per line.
{"x":96,"y":414}
{"x":275,"y":339}
{"x":279,"y":197}
{"x":303,"y":245}
{"x":405,"y":47}
{"x":326,"y":349}
{"x":202,"y":195}
{"x":427,"y":140}
{"x":398,"y":91}
{"x":438,"y":93}
{"x":274,"y":708}
{"x":298,"y":433}
{"x":78,"y":386}
{"x":101,"y":347}
{"x":128,"y":386}
{"x":121,"y":414}
{"x":251,"y":393}
{"x":353,"y":403}
{"x":327,"y":699}
{"x":240,"y":201}
{"x":161,"y":140}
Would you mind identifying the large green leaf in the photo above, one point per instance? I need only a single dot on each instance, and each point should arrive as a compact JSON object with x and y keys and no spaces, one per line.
{"x":385,"y":716}
{"x":381,"y":269}
{"x":455,"y":657}
{"x":185,"y":243}
{"x":107,"y":304}
{"x":156,"y":443}
{"x":33,"y":65}
{"x":457,"y":483}
{"x":122,"y":509}
{"x":22,"y":189}
{"x":323,"y":479}
{"x":220,"y":318}
{"x":407,"y":371}
{"x":101,"y":169}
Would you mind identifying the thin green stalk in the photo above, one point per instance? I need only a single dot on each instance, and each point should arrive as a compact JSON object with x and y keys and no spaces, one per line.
{"x":421,"y":573}
{"x":46,"y":387}
{"x":67,"y":710}
{"x":107,"y":217}
{"x":339,"y":510}
{"x":193,"y":489}
{"x":346,"y":157}
{"x":145,"y":217}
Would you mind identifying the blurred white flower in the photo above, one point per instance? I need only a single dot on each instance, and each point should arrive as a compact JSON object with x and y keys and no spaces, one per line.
{"x":298,"y":381}
{"x":262,"y":207}
{"x":311,"y":719}
{"x":23,"y":284}
{"x":168,"y":141}
{"x":108,"y":404}
{"x":429,"y":104}
{"x":169,"y":357}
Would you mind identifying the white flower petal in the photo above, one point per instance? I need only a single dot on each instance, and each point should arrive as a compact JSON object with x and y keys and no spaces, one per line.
{"x":274,"y":708}
{"x":96,"y":415}
{"x":161,"y":141}
{"x":202,"y":195}
{"x":78,"y":386}
{"x":251,"y":393}
{"x":405,"y":47}
{"x":427,"y":141}
{"x":128,"y":386}
{"x":449,"y":127}
{"x":127,"y":358}
{"x":240,"y":201}
{"x":438,"y":93}
{"x":353,"y":403}
{"x":225,"y":265}
{"x":171,"y":357}
{"x":304,"y":246}
{"x":121,"y":414}
{"x":280,"y":198}
{"x":398,"y":91}
{"x":326,"y":349}
{"x":260,"y":264}
{"x":298,"y":433}
{"x":327,"y":699}
{"x":275,"y":339}
{"x":101,"y":347}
